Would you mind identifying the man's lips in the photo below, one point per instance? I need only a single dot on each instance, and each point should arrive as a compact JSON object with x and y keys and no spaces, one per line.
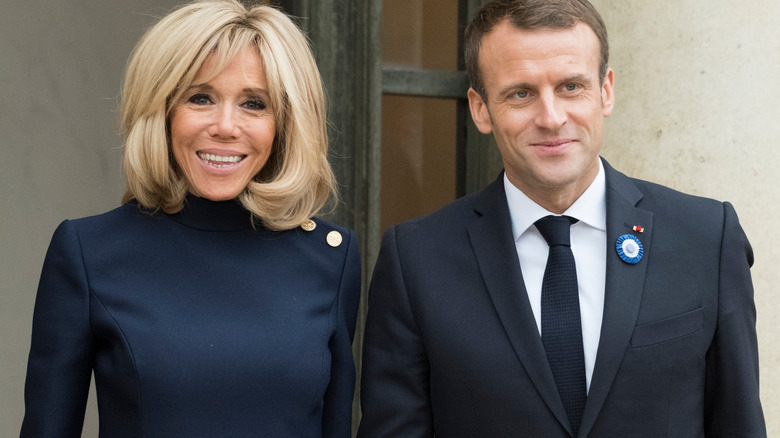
{"x":553,"y":143}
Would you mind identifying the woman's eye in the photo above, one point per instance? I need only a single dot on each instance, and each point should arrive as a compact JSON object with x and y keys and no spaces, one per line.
{"x":255,"y":104}
{"x":200,"y":99}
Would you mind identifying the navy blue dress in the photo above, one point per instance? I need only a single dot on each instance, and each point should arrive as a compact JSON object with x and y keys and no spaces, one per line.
{"x":195,"y":324}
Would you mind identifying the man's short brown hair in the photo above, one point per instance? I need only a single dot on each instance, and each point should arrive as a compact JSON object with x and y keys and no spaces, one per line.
{"x":530,"y":15}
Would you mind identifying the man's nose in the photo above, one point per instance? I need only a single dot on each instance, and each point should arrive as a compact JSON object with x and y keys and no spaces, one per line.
{"x":551,"y":114}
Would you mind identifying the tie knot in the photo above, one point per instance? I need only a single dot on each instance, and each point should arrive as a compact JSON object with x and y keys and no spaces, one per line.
{"x":555,"y":229}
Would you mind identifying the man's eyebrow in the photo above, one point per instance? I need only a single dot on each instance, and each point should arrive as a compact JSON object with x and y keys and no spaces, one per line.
{"x":579,"y":77}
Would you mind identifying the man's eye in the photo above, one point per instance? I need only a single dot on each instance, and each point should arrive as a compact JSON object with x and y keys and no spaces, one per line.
{"x":255,"y":104}
{"x":571,"y":87}
{"x":200,"y":99}
{"x":522,"y":94}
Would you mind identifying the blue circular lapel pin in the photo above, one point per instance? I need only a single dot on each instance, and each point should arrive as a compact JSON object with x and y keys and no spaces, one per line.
{"x":630,"y":249}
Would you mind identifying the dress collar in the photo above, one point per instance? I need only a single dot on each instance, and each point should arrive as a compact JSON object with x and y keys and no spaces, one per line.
{"x":203,"y":214}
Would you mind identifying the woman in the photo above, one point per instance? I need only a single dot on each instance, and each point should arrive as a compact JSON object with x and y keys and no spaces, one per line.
{"x":208,"y":304}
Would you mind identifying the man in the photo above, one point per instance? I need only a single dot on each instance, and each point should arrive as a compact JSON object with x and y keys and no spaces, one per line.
{"x":465,"y":322}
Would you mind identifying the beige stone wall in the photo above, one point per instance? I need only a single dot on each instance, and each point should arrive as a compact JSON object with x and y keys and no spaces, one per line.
{"x":697,"y":84}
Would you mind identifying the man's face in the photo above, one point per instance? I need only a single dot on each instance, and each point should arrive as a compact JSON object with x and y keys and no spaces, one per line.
{"x":546,"y":108}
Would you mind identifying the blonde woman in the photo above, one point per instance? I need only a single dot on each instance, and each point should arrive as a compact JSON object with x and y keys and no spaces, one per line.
{"x":210,"y":303}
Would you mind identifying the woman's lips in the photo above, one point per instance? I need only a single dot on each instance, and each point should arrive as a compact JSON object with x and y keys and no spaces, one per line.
{"x":221,"y":161}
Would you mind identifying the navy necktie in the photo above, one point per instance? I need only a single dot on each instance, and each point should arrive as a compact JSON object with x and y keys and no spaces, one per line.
{"x":561,"y":325}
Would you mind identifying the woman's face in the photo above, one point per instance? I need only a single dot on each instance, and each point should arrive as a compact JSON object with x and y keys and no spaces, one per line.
{"x":222,"y":130}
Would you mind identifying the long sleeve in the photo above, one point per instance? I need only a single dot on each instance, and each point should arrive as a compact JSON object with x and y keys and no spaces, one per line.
{"x":337,"y":411}
{"x":395,"y":381}
{"x":59,"y":367}
{"x":733,"y":408}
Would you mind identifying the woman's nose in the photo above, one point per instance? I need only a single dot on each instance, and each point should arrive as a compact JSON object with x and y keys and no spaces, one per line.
{"x":224,"y":124}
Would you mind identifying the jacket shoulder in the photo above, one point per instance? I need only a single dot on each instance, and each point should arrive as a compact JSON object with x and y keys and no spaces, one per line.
{"x":664,"y":200}
{"x":453,"y":213}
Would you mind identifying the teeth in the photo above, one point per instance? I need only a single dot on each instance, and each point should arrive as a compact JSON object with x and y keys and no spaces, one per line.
{"x":219,"y":158}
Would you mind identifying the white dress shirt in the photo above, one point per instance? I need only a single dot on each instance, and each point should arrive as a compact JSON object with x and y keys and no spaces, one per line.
{"x":589,"y":245}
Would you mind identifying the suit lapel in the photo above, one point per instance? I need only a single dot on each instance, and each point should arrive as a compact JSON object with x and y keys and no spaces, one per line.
{"x":623,"y":292}
{"x":493,"y":244}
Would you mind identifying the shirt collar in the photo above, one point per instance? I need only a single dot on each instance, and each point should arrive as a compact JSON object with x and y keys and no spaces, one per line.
{"x":590,"y":208}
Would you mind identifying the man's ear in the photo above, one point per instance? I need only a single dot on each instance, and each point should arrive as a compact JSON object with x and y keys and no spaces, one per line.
{"x":479,"y":112}
{"x":608,"y":93}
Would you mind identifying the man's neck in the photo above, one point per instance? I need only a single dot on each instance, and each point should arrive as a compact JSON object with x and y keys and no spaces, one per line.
{"x":555,"y":199}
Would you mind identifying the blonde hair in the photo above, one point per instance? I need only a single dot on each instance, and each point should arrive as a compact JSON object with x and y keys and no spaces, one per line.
{"x":297,"y":180}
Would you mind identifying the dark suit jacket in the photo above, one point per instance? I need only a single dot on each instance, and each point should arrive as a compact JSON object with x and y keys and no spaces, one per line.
{"x":452,"y":347}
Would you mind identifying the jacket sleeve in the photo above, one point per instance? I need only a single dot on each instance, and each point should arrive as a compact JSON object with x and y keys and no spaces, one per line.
{"x":337,"y":410}
{"x":395,"y":381}
{"x":60,"y":361}
{"x":733,"y":408}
